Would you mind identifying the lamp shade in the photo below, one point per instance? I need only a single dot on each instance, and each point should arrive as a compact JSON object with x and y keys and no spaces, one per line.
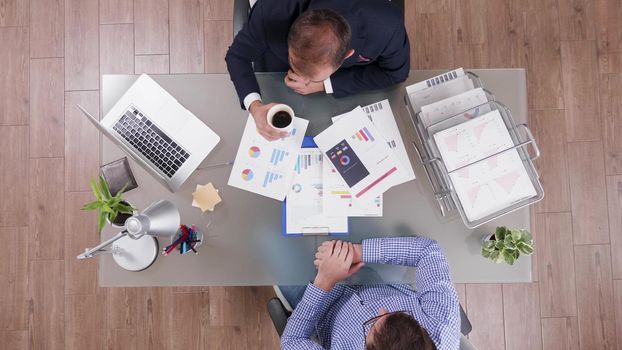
{"x":160,"y":219}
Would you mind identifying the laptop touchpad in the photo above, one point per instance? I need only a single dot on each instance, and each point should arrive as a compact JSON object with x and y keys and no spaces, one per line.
{"x":171,"y":117}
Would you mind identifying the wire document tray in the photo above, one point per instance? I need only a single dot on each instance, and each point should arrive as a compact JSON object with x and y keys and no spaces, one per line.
{"x":442,"y":179}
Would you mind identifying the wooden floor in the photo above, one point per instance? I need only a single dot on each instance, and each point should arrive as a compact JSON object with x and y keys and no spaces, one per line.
{"x":52,"y":53}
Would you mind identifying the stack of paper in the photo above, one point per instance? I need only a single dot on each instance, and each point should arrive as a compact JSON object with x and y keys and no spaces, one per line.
{"x":466,"y":131}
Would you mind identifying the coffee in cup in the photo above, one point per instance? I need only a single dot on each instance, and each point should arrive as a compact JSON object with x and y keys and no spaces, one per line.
{"x":281,"y":117}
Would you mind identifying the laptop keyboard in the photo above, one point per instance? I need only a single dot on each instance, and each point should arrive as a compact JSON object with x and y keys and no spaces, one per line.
{"x":151,"y":142}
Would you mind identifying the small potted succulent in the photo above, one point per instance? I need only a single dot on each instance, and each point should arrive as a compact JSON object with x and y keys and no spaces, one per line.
{"x":507,"y":245}
{"x":113,"y":209}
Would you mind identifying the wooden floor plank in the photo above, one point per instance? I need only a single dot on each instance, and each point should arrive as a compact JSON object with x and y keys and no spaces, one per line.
{"x":81,"y":45}
{"x":556,"y":273}
{"x":151,"y":28}
{"x":47,"y":107}
{"x":81,"y":140}
{"x":192,"y":311}
{"x":14,"y":185}
{"x":506,"y":34}
{"x":226,"y":306}
{"x":46,"y":226}
{"x":432,"y":6}
{"x":549,"y":129}
{"x":116,"y":49}
{"x":121,"y":307}
{"x":186,"y":36}
{"x":611,"y":112}
{"x":218,"y":37}
{"x":595,"y":297}
{"x":116,"y":11}
{"x":470,"y":34}
{"x":544,"y":81}
{"x":522,"y":302}
{"x":260,"y":332}
{"x":433,"y":34}
{"x":14,"y":273}
{"x":580,"y":80}
{"x":151,"y":64}
{"x":80,"y":275}
{"x":13,"y":13}
{"x":155,"y":319}
{"x":577,"y":19}
{"x":609,"y":25}
{"x":617,"y":294}
{"x":485,"y":302}
{"x":14,"y":340}
{"x":47,"y":314}
{"x":14,"y":77}
{"x":121,"y":339}
{"x":47,"y":28}
{"x":560,"y":333}
{"x":614,"y":201}
{"x":218,"y":10}
{"x":610,"y":62}
{"x":220,"y":337}
{"x":85,"y":322}
{"x":588,"y":193}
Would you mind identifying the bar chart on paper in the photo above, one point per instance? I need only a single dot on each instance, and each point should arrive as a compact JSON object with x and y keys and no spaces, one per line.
{"x":265,"y":167}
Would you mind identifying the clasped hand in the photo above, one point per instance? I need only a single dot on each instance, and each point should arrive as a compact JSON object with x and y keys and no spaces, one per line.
{"x":336,"y":261}
{"x":301,"y":85}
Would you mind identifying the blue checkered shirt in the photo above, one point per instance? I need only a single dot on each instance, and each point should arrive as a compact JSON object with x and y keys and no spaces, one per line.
{"x":337,"y":317}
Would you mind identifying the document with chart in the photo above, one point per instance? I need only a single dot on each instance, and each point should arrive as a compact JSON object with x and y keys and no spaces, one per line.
{"x":304,"y":206}
{"x":494,"y":183}
{"x":360,"y":155}
{"x":266,"y":167}
{"x":450,"y":107}
{"x":382,"y":117}
{"x":338,"y":199}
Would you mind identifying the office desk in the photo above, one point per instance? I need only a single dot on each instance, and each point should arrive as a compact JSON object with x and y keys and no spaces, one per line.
{"x":244,"y":243}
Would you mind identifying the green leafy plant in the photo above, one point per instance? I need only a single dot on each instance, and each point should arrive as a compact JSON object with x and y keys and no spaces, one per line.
{"x":507,"y":245}
{"x":109,"y":206}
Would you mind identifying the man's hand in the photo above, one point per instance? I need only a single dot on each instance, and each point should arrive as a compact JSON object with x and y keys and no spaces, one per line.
{"x":259,"y":111}
{"x":301,"y":85}
{"x":326,"y":246}
{"x":336,"y":265}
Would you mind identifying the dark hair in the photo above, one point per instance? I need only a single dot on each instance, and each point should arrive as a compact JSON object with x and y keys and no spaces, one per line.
{"x":319,"y":37}
{"x":401,"y":332}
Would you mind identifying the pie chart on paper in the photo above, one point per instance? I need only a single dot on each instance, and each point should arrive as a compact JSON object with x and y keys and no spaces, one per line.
{"x":247,"y":174}
{"x":254,"y":152}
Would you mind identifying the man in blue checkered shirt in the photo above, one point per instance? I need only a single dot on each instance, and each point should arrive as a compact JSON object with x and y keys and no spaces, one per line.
{"x":387,"y":317}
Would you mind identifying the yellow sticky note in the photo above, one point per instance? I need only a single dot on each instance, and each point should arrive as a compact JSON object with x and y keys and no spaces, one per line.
{"x":205,"y":197}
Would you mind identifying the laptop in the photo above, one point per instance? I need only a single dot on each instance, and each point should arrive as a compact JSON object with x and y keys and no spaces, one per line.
{"x":161,"y":135}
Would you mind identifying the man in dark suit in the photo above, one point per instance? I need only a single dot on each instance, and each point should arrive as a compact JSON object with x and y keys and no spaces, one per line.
{"x":340,"y":47}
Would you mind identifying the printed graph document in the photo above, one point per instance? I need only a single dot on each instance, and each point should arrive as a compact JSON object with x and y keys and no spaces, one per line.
{"x":304,"y":206}
{"x":266,"y":167}
{"x":490,"y":185}
{"x":338,"y":200}
{"x":360,"y":155}
{"x":451,"y":106}
{"x":440,"y":92}
{"x":382,"y":117}
{"x":435,"y":81}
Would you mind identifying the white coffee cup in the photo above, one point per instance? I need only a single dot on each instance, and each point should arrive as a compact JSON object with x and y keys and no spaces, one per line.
{"x":281,"y":117}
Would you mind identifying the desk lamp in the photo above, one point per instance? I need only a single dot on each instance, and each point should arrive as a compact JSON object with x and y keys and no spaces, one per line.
{"x":136,"y":248}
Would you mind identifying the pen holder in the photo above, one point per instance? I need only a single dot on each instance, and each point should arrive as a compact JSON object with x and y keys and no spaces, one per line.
{"x":190,"y":244}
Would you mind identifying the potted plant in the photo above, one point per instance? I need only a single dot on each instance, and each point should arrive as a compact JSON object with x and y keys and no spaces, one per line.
{"x":507,"y":245}
{"x":113,"y":209}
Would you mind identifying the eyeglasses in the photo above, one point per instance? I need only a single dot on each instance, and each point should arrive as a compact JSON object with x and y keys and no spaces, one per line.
{"x":369,"y":324}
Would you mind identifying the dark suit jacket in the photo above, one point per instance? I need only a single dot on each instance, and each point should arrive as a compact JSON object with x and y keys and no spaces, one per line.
{"x":381,"y":57}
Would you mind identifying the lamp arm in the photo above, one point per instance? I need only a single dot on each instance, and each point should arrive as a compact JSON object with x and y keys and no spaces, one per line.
{"x":89,"y":253}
